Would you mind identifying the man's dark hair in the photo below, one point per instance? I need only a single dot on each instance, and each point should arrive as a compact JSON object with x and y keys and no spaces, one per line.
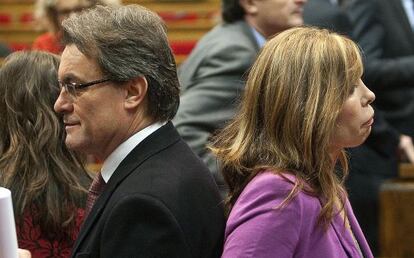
{"x":232,"y":11}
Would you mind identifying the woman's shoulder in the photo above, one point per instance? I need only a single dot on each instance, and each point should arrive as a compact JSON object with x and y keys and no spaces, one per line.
{"x":265,"y":208}
{"x":277,"y":182}
{"x":274,"y":187}
{"x":270,"y":178}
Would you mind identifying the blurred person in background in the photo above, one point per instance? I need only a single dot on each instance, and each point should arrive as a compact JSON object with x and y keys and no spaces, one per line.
{"x":47,"y":181}
{"x":49,"y":15}
{"x":328,"y":14}
{"x":4,"y":50}
{"x":384,"y":29}
{"x":212,"y":78}
{"x":303,"y":104}
{"x":376,"y":160}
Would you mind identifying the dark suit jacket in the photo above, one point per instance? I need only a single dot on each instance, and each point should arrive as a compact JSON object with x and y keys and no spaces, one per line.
{"x":382,"y":29}
{"x":375,"y":160}
{"x":212,"y":80}
{"x":160,"y":202}
{"x":387,"y":40}
{"x":324,"y":14}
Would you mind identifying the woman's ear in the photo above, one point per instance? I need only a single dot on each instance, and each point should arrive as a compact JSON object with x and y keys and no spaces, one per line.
{"x":136,"y":90}
{"x":249,"y":6}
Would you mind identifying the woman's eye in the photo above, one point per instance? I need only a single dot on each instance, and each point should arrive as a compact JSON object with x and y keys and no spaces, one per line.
{"x":353,"y":89}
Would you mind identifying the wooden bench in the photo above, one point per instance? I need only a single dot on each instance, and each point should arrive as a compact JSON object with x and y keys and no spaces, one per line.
{"x":397,"y":215}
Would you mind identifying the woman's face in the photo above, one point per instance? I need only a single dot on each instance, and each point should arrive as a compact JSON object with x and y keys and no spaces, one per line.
{"x":355,"y":119}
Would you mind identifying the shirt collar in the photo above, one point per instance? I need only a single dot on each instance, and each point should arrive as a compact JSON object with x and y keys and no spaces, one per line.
{"x":409,"y":10}
{"x":115,"y":158}
{"x":259,"y":37}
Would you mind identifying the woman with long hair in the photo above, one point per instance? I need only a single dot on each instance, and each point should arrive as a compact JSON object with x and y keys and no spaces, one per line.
{"x":283,"y":155}
{"x":47,"y":181}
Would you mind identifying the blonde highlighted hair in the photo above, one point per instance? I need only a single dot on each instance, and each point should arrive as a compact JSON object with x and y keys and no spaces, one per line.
{"x":294,"y":93}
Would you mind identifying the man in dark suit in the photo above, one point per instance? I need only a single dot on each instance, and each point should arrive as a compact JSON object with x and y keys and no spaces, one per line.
{"x":384,"y":32}
{"x":119,"y":89}
{"x":212,"y":78}
{"x":327,"y":14}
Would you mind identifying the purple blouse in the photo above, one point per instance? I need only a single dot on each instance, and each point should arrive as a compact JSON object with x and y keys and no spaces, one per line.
{"x":256,"y":229}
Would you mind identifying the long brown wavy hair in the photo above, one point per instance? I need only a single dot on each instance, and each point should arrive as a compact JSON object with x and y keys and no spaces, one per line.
{"x":34,"y":162}
{"x":294,"y":93}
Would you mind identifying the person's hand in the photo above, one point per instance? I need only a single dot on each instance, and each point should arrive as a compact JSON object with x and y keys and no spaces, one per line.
{"x":407,"y":148}
{"x":24,"y":253}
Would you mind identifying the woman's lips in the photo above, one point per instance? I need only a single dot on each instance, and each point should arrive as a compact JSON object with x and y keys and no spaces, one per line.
{"x":369,"y":122}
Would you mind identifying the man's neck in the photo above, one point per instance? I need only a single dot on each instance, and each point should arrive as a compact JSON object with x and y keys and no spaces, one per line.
{"x":136,"y":124}
{"x":251,"y":21}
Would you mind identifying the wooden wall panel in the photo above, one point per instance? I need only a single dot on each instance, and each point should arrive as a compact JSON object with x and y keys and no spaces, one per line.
{"x":187,"y":22}
{"x":397,"y":219}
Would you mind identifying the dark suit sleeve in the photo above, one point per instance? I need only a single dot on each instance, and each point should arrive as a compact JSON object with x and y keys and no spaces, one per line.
{"x":381,"y":72}
{"x":383,"y":138}
{"x":142,"y":226}
{"x":210,"y":98}
{"x":324,"y":14}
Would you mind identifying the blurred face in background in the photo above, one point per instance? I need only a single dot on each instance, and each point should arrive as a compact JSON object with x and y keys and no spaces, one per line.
{"x":65,"y":7}
{"x":273,"y":16}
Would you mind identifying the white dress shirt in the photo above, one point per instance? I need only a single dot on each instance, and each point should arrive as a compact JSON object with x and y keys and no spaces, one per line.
{"x":119,"y":154}
{"x":409,"y":10}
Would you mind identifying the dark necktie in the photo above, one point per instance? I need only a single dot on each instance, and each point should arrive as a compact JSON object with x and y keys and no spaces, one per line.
{"x":95,"y":190}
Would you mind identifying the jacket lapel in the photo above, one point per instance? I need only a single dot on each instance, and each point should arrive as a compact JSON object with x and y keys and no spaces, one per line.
{"x":356,"y":229}
{"x":343,"y":234}
{"x":247,"y":30}
{"x":345,"y":237}
{"x":154,"y":143}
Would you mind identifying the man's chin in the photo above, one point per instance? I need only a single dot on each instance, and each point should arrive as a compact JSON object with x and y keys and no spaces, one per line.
{"x":74,"y":145}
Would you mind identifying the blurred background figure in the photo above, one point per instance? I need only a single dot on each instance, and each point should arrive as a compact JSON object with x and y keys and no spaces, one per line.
{"x":327,"y":14}
{"x":4,"y":50}
{"x":303,"y":104}
{"x":51,"y":13}
{"x":212,"y":77}
{"x":385,"y":31}
{"x":377,"y":159}
{"x":47,"y":181}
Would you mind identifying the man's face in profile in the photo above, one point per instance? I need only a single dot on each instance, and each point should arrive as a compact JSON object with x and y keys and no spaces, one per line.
{"x":93,"y":115}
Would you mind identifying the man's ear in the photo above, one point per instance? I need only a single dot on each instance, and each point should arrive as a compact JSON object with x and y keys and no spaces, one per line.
{"x":136,"y":90}
{"x":249,"y":6}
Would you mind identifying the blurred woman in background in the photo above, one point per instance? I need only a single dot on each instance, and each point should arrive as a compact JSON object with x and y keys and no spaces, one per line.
{"x":304,"y":102}
{"x":49,"y":15}
{"x":47,"y":181}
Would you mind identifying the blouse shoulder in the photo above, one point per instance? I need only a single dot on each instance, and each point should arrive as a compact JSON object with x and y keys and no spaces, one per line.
{"x":260,"y":213}
{"x":270,"y":182}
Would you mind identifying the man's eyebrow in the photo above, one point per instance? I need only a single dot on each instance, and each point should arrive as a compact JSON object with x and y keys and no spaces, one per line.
{"x":69,"y":77}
